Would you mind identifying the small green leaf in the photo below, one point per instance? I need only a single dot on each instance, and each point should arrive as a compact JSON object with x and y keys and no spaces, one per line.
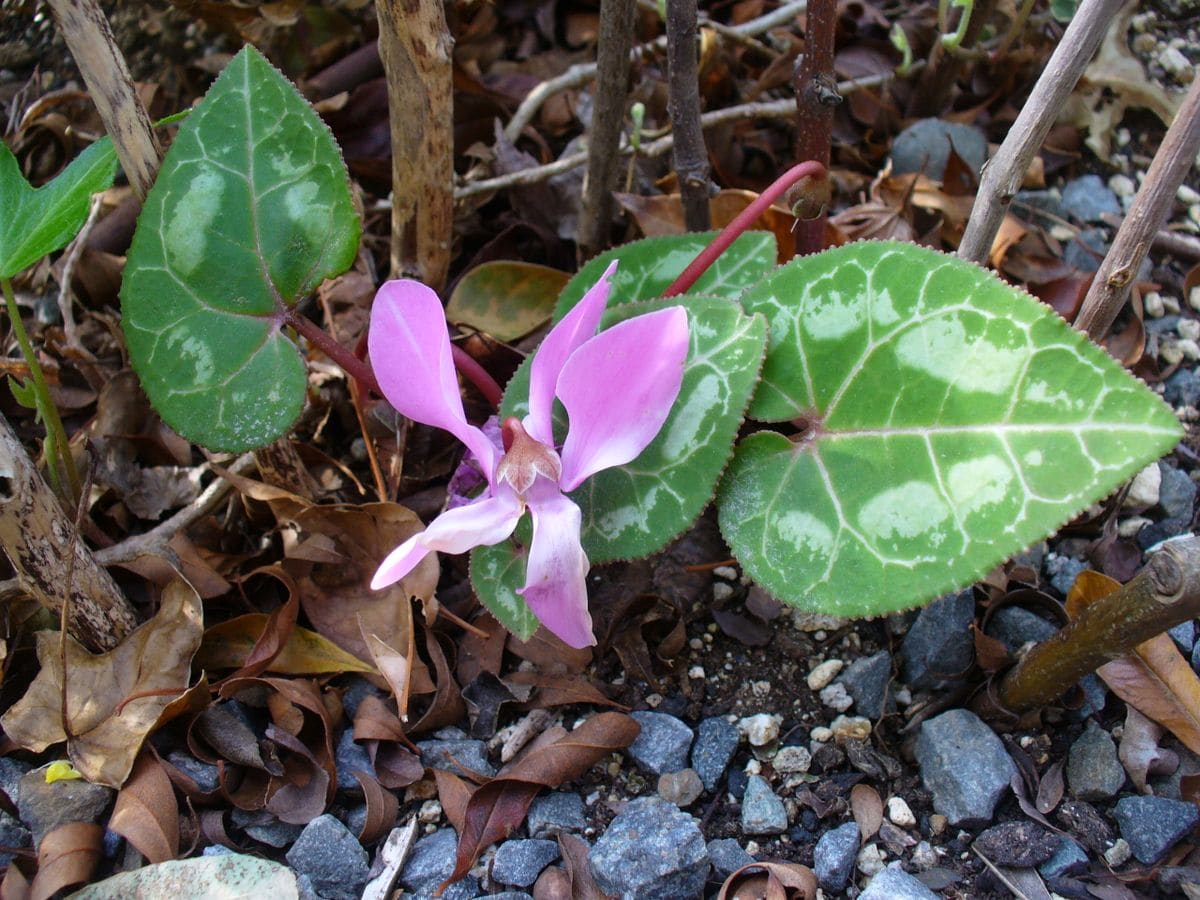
{"x":497,"y":573}
{"x":505,"y":298}
{"x":952,"y":420}
{"x":635,"y":509}
{"x":24,"y":392}
{"x":38,"y":221}
{"x":649,"y":266}
{"x":250,"y":212}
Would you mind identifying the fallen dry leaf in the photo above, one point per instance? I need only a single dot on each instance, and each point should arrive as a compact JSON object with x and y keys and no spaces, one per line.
{"x":770,"y":881}
{"x":145,"y":813}
{"x":115,"y":699}
{"x":66,"y":856}
{"x":1139,"y":751}
{"x":867,"y":808}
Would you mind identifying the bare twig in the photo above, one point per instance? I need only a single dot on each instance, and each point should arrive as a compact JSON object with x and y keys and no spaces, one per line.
{"x":932,"y":95}
{"x":608,"y":117}
{"x":1149,"y":211}
{"x":90,"y":40}
{"x":415,"y":45}
{"x":65,"y":292}
{"x":816,"y":96}
{"x":1004,"y":173}
{"x":691,"y":156}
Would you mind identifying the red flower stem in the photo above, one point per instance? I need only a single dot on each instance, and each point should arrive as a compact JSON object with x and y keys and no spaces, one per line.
{"x":732,"y":231}
{"x":477,"y":375}
{"x":351,"y":364}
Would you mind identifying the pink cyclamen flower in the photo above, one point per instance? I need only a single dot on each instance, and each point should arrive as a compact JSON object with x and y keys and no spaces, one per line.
{"x":617,"y":388}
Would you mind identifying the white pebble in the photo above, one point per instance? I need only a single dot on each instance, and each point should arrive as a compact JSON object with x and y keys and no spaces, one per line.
{"x":722,"y":591}
{"x":1153,"y":304}
{"x":792,"y":759}
{"x":1189,"y":328}
{"x":899,"y":813}
{"x":431,"y":811}
{"x":1122,"y":185}
{"x":1171,"y":304}
{"x":903,"y":696}
{"x":1118,"y":854}
{"x":1129,"y":528}
{"x":924,"y":856}
{"x":1190,"y":349}
{"x":1187,"y":196}
{"x":836,"y":697}
{"x":1176,"y":64}
{"x":760,"y":729}
{"x":729,"y":573}
{"x":1170,"y":353}
{"x":696,"y":672}
{"x":870,"y":860}
{"x":696,"y":644}
{"x":824,"y":673}
{"x":652,"y":700}
{"x":821,"y":734}
{"x":753,"y":767}
{"x":851,"y":728}
{"x":1194,"y":298}
{"x":760,"y":688}
{"x":1143,"y":490}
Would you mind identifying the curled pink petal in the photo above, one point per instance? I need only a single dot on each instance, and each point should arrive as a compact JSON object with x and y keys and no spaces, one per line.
{"x":618,"y":389}
{"x":555,"y":586}
{"x":485,"y":522}
{"x":410,"y":354}
{"x":575,"y":328}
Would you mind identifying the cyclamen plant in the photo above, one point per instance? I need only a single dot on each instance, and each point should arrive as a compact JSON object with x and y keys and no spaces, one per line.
{"x":617,"y":388}
{"x":909,"y":420}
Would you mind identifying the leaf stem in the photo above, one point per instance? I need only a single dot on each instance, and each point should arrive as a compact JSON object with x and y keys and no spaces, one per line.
{"x":732,"y":231}
{"x":477,"y":375}
{"x":351,"y":364}
{"x":56,"y":450}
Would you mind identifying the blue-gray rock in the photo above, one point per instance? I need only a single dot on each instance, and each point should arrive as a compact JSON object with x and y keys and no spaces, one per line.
{"x":651,"y":851}
{"x":1153,"y":825}
{"x":1014,"y":626}
{"x":332,"y":858}
{"x":716,"y":742}
{"x":964,"y":765}
{"x":216,"y":850}
{"x":431,"y":862}
{"x":1062,"y":571}
{"x":1183,"y":388}
{"x":43,"y":807}
{"x":663,"y":743}
{"x":1068,"y":859}
{"x":1095,"y":695}
{"x":1184,"y":636}
{"x":1176,"y":493}
{"x":1094,"y":771}
{"x":510,"y":895}
{"x":204,"y":774}
{"x":727,"y":856}
{"x":265,"y":828}
{"x":893,"y":883}
{"x":453,"y":755}
{"x":521,"y":862}
{"x":358,"y":689}
{"x":11,"y":772}
{"x":939,"y":648}
{"x":356,"y":819}
{"x":833,"y":857}
{"x":924,"y":146}
{"x":867,"y":681}
{"x":1040,"y":207}
{"x":554,"y":813}
{"x":349,"y":757}
{"x":762,"y":811}
{"x":14,"y":834}
{"x":1018,"y":845}
{"x":1088,"y":199}
{"x":1086,"y":250}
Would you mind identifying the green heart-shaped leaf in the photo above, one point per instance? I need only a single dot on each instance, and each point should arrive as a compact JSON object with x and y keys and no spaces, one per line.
{"x":649,"y":266}
{"x":949,"y":421}
{"x":505,"y":298}
{"x":37,"y":221}
{"x":497,"y":573}
{"x":250,"y":212}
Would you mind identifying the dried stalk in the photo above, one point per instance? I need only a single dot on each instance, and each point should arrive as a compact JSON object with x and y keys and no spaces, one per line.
{"x":608,"y":117}
{"x":816,"y":96}
{"x":1165,"y":593}
{"x":1004,"y":172}
{"x":932,"y":96}
{"x":691,"y":156}
{"x":91,"y":42}
{"x":415,"y":46}
{"x":40,"y":542}
{"x":1151,"y":206}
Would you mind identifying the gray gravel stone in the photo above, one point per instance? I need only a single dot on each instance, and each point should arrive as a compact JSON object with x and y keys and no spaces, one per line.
{"x":1182,"y":388}
{"x":727,"y":856}
{"x":683,"y":788}
{"x":332,"y":858}
{"x":1063,"y":570}
{"x":663,"y":743}
{"x":353,"y":695}
{"x":453,"y":755}
{"x":350,"y":756}
{"x":1088,"y":198}
{"x":1086,"y":249}
{"x":762,"y":811}
{"x":893,"y":883}
{"x":651,"y":851}
{"x":1019,"y":845}
{"x":964,"y":765}
{"x":521,"y":862}
{"x":1041,"y":207}
{"x":1153,"y":825}
{"x":1184,"y":636}
{"x":716,"y":742}
{"x":833,"y":857}
{"x":265,"y":828}
{"x":43,"y":807}
{"x":1014,"y":627}
{"x":938,"y":649}
{"x":13,"y":834}
{"x":867,"y":681}
{"x":204,"y":774}
{"x":1094,"y":771}
{"x":925,"y":147}
{"x":555,"y":812}
{"x":1177,"y":494}
{"x":431,"y":862}
{"x":11,"y":772}
{"x":1068,"y":859}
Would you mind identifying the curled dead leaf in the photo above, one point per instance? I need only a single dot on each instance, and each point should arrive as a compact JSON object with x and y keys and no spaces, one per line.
{"x":146,"y":813}
{"x":770,"y":881}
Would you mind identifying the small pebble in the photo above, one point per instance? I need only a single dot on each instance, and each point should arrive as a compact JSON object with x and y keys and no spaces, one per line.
{"x":790,"y":760}
{"x":1122,"y":185}
{"x":1194,"y":298}
{"x":430,"y":811}
{"x":836,"y":697}
{"x":924,"y":856}
{"x":1187,"y":196}
{"x":722,"y":591}
{"x":870,"y":860}
{"x":824,"y":673}
{"x":681,"y":788}
{"x":761,"y":729}
{"x":1190,"y":349}
{"x":1189,"y":329}
{"x":899,"y":813}
{"x":1171,"y":304}
{"x":727,"y":572}
{"x":1152,"y":303}
{"x":851,"y":728}
{"x":821,"y":734}
{"x":696,"y":672}
{"x":1118,"y":854}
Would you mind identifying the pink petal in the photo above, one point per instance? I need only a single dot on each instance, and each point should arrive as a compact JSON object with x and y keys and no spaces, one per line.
{"x":574,"y":329}
{"x":410,"y":353}
{"x":486,"y":522}
{"x":618,"y":389}
{"x":555,"y":588}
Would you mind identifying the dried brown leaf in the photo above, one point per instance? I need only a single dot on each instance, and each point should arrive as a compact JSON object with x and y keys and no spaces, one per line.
{"x":382,"y":809}
{"x":1050,"y":788}
{"x":1139,"y":751}
{"x":867,"y":808}
{"x":67,"y":856}
{"x":146,"y":813}
{"x":115,"y":699}
{"x":770,"y":881}
{"x":574,"y":852}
